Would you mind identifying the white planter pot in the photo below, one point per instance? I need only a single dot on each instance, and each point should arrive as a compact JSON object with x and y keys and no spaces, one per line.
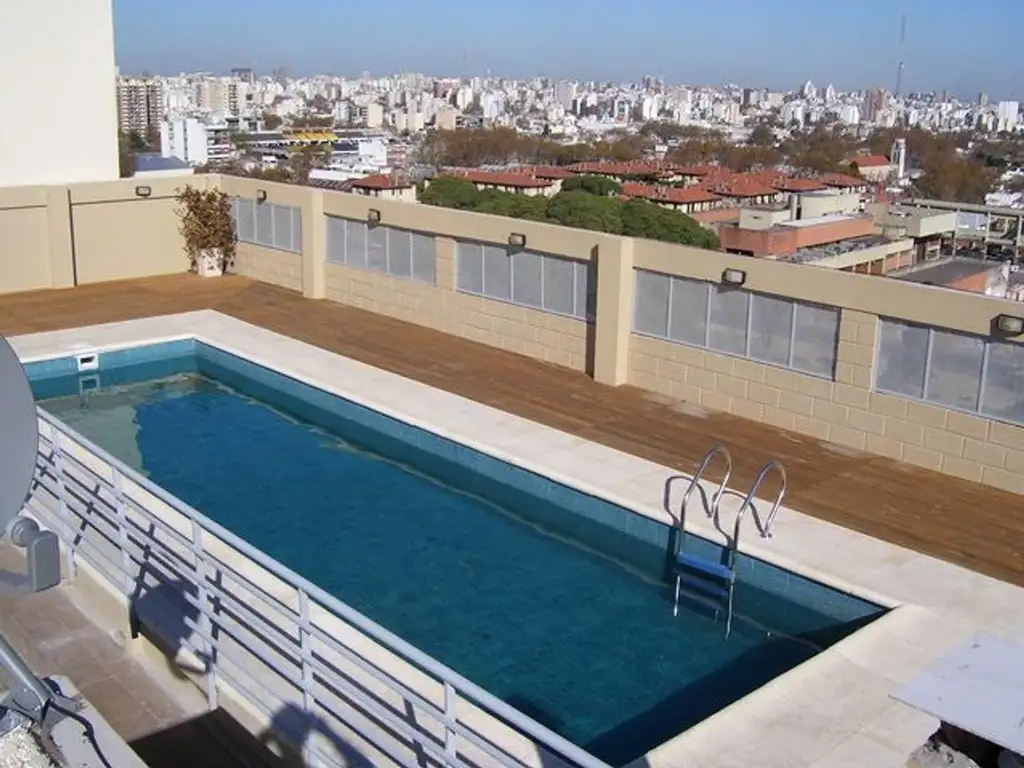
{"x":210,"y":263}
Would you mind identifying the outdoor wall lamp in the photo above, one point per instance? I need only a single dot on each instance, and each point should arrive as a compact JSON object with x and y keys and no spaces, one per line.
{"x":517,"y":240}
{"x":1010,"y":325}
{"x":373,"y":216}
{"x":261,"y":195}
{"x":143,"y":191}
{"x":734,"y":277}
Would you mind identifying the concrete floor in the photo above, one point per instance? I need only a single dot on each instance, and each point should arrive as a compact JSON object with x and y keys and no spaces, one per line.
{"x":54,"y":637}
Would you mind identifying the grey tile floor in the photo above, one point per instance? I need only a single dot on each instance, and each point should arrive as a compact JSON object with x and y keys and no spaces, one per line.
{"x":54,"y":637}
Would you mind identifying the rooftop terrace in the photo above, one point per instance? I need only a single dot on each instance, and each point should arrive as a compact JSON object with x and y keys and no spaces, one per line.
{"x":855,"y":383}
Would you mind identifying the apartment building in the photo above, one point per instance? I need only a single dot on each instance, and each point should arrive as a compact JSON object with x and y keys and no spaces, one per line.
{"x":140,"y":104}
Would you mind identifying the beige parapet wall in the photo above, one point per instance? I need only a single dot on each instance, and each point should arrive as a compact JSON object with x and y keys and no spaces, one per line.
{"x":107,"y":231}
{"x":57,"y":237}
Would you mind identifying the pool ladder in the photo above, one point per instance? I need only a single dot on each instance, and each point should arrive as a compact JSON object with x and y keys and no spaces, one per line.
{"x":711,"y":577}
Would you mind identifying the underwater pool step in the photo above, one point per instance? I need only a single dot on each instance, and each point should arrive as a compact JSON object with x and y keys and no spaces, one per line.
{"x":705,"y":566}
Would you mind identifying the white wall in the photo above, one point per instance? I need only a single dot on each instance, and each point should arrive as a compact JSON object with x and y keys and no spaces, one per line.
{"x":58,"y":92}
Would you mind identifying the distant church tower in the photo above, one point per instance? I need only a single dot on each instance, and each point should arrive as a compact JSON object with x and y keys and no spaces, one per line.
{"x":898,"y":157}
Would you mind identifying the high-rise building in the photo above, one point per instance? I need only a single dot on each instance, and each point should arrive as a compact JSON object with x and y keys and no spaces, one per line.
{"x":57,"y":60}
{"x":244,"y":74}
{"x":876,"y":101}
{"x":140,"y":104}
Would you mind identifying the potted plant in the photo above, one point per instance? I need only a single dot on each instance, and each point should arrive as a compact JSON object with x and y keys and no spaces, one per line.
{"x":208,"y":230}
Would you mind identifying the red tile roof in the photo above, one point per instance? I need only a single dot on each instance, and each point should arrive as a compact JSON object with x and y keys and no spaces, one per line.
{"x":740,"y":186}
{"x":499,"y":179}
{"x":841,"y":180}
{"x":379,"y":181}
{"x":799,"y":185}
{"x":674,"y":195}
{"x":869,"y":161}
{"x":551,"y":172}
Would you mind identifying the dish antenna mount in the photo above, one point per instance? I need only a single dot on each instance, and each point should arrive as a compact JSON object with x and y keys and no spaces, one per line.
{"x":30,"y":698}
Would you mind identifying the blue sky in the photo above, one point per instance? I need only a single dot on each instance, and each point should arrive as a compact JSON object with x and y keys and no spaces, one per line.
{"x":776,"y":43}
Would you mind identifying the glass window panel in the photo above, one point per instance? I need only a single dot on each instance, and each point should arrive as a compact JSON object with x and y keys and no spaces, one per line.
{"x":559,"y":284}
{"x":688,"y":315}
{"x":265,"y":224}
{"x":527,"y":269}
{"x":586,"y":290}
{"x":497,"y":272}
{"x":400,"y":253}
{"x":469,"y":261}
{"x":1003,"y":397}
{"x":771,"y":325}
{"x":355,"y":243}
{"x":902,"y":352}
{"x":424,"y":258}
{"x":377,"y":248}
{"x":297,"y":230}
{"x":650,"y":310}
{"x":282,"y":227}
{"x":335,"y":239}
{"x":246,"y":221}
{"x":954,"y":376}
{"x":814,"y":339}
{"x":728,"y":326}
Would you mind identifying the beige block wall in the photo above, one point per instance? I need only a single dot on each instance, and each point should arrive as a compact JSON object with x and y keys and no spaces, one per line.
{"x":24,"y":227}
{"x":541,"y":335}
{"x":269,"y":265}
{"x":845,"y":411}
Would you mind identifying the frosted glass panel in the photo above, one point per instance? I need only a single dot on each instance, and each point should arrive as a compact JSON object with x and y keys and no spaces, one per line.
{"x":954,"y":375}
{"x":355,"y":244}
{"x":400,"y":253}
{"x":527,"y":278}
{"x":727,"y":331}
{"x":424,"y":258}
{"x":771,"y":328}
{"x":1003,"y":397}
{"x":469,"y":260}
{"x":497,"y":272}
{"x":815,"y":336}
{"x":558,"y":285}
{"x":902,"y":359}
{"x":650,"y":305}
{"x":688,"y":315}
{"x":377,"y":248}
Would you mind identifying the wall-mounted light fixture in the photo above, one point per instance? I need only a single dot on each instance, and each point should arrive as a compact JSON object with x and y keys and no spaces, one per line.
{"x":261,"y":195}
{"x":517,"y":240}
{"x":143,"y":191}
{"x":734,"y":277}
{"x":373,"y":216}
{"x":1011,"y":325}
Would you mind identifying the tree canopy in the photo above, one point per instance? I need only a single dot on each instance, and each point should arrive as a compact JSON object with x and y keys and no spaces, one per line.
{"x":601,"y":186}
{"x":575,"y":208}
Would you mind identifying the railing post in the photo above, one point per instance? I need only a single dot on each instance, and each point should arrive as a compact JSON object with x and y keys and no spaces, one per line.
{"x":451,"y":747}
{"x":306,"y":657}
{"x":122,"y":531}
{"x":205,"y":607}
{"x":59,"y":469}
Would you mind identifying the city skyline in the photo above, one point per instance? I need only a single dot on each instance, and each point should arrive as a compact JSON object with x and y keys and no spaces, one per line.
{"x":861,"y":47}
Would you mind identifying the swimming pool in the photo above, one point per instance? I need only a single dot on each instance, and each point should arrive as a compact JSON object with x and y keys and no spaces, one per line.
{"x":554,"y":600}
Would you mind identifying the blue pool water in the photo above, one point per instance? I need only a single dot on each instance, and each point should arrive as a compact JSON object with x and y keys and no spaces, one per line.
{"x":555,"y":601}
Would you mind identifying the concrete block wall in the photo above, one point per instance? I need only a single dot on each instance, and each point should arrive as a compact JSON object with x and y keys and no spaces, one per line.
{"x":541,"y":335}
{"x":269,"y":265}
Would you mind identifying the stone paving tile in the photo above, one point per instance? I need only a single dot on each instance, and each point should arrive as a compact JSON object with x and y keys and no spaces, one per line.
{"x":54,"y":637}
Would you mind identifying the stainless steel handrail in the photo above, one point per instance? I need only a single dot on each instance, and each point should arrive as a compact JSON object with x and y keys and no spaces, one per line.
{"x":748,"y":503}
{"x":454,"y":685}
{"x":718,"y":450}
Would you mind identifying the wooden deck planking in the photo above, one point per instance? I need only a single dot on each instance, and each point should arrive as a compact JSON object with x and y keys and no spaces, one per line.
{"x":967,"y":523}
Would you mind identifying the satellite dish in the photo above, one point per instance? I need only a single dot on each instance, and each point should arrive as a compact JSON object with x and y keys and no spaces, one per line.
{"x":19,"y":435}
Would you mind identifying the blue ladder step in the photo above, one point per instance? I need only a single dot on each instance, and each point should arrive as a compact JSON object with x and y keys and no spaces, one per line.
{"x":709,"y":567}
{"x":692,"y":583}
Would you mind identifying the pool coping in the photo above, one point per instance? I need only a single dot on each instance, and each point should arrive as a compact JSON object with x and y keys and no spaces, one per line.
{"x":917,"y":620}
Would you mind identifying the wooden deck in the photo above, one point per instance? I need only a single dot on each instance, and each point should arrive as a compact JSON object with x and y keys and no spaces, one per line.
{"x":966,"y":523}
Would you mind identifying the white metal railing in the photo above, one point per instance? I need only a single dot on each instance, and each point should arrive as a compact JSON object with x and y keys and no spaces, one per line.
{"x":304,"y":660}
